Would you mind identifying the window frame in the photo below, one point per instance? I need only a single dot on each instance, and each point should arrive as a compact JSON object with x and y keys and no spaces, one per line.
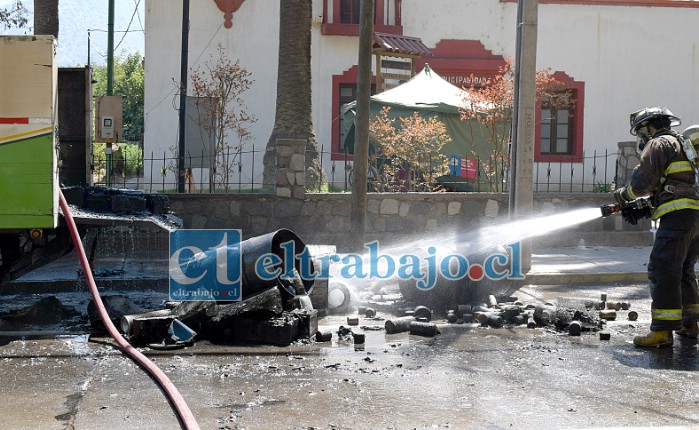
{"x":332,"y":23}
{"x":577,"y":124}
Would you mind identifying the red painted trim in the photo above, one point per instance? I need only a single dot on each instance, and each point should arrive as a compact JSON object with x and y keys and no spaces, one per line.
{"x":348,"y":77}
{"x":457,"y":60}
{"x":333,"y":27}
{"x":643,"y":3}
{"x":379,"y":13}
{"x":578,"y":89}
{"x":353,"y":29}
{"x":336,"y":12}
{"x":14,"y":120}
{"x":399,"y":13}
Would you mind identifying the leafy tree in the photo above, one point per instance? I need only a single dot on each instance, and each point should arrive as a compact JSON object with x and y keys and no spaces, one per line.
{"x":128,"y":83}
{"x":221,"y":82}
{"x":489,"y":113}
{"x":408,"y":151}
{"x":14,"y":16}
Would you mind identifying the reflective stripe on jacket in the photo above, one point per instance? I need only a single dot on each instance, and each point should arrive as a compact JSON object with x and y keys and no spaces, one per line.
{"x":665,"y":172}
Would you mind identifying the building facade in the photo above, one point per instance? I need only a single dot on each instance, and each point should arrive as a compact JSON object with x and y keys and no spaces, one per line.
{"x":616,"y":56}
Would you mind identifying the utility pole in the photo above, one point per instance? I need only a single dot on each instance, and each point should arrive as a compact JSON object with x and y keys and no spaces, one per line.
{"x":523,"y":124}
{"x":110,"y":81}
{"x":361,"y":125}
{"x":184,"y":59}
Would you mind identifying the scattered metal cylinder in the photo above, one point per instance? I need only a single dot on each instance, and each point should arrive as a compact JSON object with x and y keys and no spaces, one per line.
{"x":130,"y":324}
{"x":451,"y":317}
{"x":633,"y":315}
{"x":324,"y":336}
{"x":609,"y":314}
{"x":492,"y":301}
{"x":544,"y":314}
{"x":424,"y":328}
{"x":358,"y":337}
{"x":398,"y":325}
{"x":603,"y":297}
{"x":605,"y":336}
{"x":625,"y":306}
{"x":495,"y":321}
{"x":509,"y":312}
{"x":616,"y":306}
{"x":574,"y":328}
{"x":370,"y":312}
{"x":255,"y":247}
{"x":520,"y":319}
{"x":352,"y":320}
{"x":464,"y":309}
{"x":422,"y":313}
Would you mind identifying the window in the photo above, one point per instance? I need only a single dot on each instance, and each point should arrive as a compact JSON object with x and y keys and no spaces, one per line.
{"x":556,"y":128}
{"x":349,"y":11}
{"x":341,"y":17}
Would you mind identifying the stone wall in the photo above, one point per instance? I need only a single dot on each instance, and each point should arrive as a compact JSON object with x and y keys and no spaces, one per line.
{"x":324,"y":218}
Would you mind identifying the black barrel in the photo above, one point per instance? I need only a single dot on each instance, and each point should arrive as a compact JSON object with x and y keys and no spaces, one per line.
{"x":271,"y":243}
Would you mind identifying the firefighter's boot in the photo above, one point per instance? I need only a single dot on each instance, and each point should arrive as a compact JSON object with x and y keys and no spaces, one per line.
{"x":691,"y":330}
{"x":654,"y":339}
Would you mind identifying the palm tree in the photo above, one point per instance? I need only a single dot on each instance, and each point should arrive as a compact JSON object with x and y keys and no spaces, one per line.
{"x":46,"y":17}
{"x":293,"y":113}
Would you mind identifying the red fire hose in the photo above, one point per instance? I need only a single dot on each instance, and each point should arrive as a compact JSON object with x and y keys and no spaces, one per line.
{"x":178,"y":404}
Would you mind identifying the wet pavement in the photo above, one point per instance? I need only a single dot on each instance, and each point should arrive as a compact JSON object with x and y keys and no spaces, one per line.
{"x":58,"y":376}
{"x":467,"y":377}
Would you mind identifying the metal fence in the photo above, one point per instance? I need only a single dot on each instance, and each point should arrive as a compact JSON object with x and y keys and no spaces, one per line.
{"x":590,"y":173}
{"x":156,"y":172}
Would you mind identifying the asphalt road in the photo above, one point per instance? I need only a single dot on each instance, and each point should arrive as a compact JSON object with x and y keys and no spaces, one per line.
{"x":467,"y":377}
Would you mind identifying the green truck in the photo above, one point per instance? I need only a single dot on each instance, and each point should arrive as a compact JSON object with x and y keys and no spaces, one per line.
{"x":37,"y":159}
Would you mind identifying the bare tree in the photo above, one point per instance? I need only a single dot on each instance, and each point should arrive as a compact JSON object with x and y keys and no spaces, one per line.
{"x":218,"y":86}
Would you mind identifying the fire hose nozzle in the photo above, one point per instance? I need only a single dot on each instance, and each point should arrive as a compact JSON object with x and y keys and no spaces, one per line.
{"x":608,"y":210}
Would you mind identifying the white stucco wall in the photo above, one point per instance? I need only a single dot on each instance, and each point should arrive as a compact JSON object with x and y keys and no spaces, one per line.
{"x":628,"y":58}
{"x":253,"y":40}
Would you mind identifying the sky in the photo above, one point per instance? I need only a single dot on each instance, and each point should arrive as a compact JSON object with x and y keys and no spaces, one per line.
{"x":76,"y":17}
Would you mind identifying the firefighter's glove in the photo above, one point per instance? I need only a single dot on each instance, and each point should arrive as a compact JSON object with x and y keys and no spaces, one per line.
{"x":621,"y":195}
{"x":631,"y":215}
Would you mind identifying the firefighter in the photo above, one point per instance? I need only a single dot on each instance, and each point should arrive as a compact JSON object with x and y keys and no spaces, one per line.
{"x":666,"y":173}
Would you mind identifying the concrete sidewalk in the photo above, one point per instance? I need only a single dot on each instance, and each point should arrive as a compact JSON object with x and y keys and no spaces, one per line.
{"x":589,"y":265}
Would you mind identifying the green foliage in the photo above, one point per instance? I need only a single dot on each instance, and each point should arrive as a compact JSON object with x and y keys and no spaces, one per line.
{"x":128,"y":161}
{"x":408,"y":151}
{"x":14,"y":16}
{"x":602,"y":188}
{"x":127,"y":82}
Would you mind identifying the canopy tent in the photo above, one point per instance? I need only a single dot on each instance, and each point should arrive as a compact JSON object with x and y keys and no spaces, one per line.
{"x":431,"y":96}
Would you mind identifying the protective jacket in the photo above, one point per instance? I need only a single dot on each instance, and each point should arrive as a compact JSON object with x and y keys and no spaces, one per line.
{"x":665,"y":173}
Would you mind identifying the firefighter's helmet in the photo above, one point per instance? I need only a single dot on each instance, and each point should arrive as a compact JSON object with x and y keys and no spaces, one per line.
{"x":641,"y":117}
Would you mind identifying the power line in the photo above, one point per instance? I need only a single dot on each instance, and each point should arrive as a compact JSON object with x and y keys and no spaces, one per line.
{"x":128,"y":26}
